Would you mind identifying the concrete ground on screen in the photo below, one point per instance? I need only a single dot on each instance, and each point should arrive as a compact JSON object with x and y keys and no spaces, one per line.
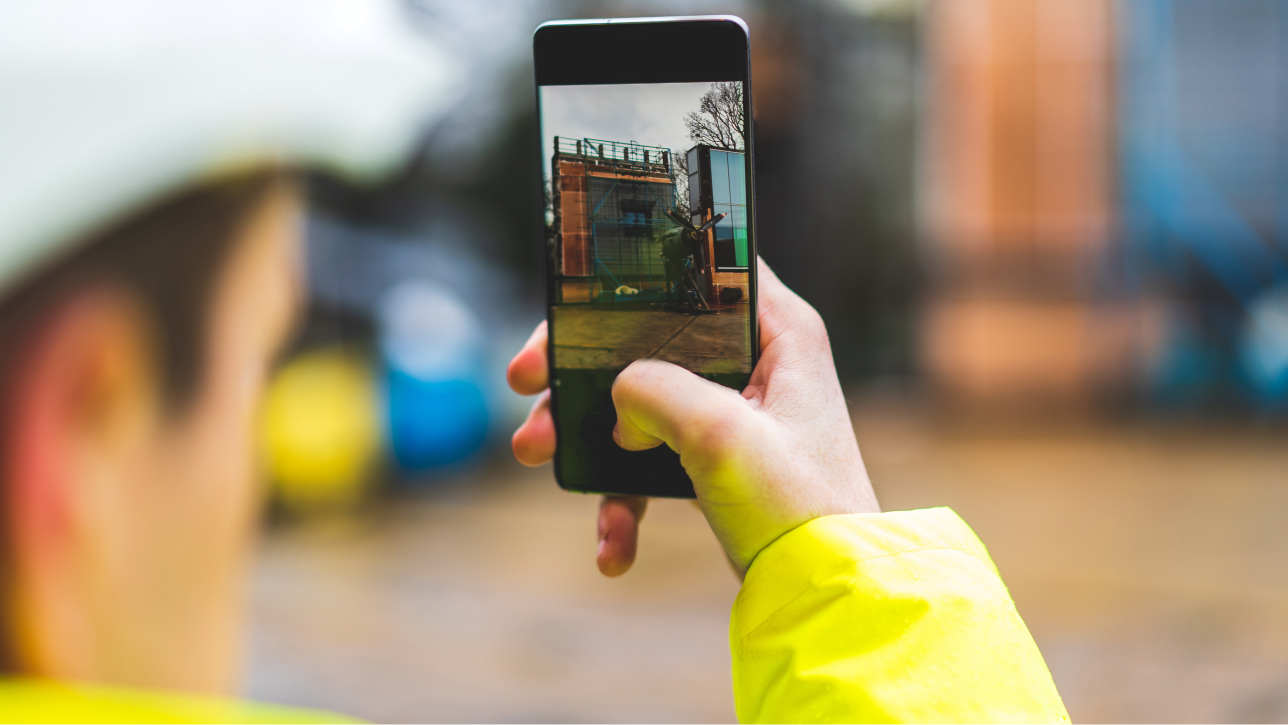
{"x":593,"y":337}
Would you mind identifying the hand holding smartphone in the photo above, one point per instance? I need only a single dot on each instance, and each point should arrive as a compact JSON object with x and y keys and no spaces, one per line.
{"x":647,"y":150}
{"x":763,"y":462}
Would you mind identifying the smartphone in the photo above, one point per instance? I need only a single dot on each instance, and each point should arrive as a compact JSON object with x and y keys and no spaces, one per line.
{"x":647,"y":158}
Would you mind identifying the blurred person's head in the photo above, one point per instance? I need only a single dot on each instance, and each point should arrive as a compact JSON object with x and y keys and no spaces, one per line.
{"x":148,"y":275}
{"x":129,"y":377}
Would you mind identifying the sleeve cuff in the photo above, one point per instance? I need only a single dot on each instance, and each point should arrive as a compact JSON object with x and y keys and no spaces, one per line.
{"x":814,"y":552}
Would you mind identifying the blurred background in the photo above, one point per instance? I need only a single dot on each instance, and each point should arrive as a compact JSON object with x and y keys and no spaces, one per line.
{"x":1050,"y":242}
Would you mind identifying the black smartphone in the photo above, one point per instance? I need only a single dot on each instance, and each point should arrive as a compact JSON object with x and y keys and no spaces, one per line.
{"x":646,"y":142}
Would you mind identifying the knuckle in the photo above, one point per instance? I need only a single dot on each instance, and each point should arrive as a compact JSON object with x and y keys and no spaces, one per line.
{"x":631,"y":379}
{"x":625,"y":382}
{"x":812,"y":338}
{"x":716,"y":437}
{"x":812,"y":321}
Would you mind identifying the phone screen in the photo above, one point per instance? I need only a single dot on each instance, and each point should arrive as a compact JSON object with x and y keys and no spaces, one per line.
{"x":649,"y":245}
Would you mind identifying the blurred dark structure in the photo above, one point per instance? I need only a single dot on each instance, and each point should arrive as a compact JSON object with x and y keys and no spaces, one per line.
{"x":1203,"y":108}
{"x":834,"y":90}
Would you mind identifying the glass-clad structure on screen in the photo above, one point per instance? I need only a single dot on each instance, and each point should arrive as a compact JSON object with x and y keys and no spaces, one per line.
{"x":627,"y":217}
{"x":610,"y":201}
{"x":718,"y":185}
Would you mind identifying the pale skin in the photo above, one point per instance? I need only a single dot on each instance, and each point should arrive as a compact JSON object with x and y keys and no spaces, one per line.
{"x":763,"y":462}
{"x":131,"y":524}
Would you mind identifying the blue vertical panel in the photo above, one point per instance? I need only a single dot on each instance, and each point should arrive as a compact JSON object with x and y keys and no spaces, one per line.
{"x":729,"y":196}
{"x":737,"y":179}
{"x":1198,"y":134}
{"x":1202,"y":107}
{"x":738,"y":193}
{"x":740,"y":235}
{"x":720,"y":177}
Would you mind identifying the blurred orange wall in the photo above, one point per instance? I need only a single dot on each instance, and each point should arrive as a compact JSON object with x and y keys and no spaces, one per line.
{"x":1016,"y":202}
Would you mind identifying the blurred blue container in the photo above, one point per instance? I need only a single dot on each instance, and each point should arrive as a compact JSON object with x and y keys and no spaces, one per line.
{"x":1264,"y":346}
{"x":434,"y":423}
{"x":434,"y":358}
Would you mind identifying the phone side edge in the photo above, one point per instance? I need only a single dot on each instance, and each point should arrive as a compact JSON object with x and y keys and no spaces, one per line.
{"x":547,"y":266}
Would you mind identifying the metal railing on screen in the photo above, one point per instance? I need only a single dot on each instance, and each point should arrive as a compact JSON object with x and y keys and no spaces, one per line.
{"x":628,"y":154}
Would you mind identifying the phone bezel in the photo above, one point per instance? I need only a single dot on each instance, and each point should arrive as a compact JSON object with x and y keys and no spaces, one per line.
{"x":722,"y":52}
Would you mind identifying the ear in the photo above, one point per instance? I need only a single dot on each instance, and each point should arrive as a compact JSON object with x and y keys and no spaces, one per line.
{"x":80,"y":398}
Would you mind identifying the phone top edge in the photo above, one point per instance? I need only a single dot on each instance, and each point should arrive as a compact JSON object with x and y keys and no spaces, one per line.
{"x":683,"y":495}
{"x":660,"y":19}
{"x":560,"y":48}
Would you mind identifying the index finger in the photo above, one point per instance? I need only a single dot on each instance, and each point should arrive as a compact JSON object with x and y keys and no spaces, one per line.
{"x":528,"y":373}
{"x":781,"y":311}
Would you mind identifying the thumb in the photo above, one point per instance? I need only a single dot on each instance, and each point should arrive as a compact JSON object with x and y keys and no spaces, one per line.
{"x":658,"y":402}
{"x":721,"y":439}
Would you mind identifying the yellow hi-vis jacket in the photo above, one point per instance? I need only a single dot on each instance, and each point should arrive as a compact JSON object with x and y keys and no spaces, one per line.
{"x":895,"y":617}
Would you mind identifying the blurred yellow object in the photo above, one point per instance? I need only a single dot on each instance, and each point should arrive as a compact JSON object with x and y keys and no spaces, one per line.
{"x":35,"y":701}
{"x":321,"y":430}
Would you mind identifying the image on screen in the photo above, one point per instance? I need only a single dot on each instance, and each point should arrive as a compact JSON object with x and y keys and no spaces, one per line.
{"x":647,"y":232}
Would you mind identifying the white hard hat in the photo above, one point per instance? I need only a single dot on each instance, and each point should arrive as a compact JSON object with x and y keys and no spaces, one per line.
{"x":107,"y":105}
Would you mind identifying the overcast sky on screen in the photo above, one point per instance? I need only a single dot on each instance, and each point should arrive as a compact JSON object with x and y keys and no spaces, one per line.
{"x":649,"y":113}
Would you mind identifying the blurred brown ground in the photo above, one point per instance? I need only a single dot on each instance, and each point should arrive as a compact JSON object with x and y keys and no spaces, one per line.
{"x":481,"y":603}
{"x":1150,"y":561}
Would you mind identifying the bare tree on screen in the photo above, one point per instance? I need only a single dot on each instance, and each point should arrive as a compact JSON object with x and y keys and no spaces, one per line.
{"x":680,"y":178}
{"x":719,"y":120}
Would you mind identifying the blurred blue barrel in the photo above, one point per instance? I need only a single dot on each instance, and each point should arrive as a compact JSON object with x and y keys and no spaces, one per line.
{"x":432,"y":345}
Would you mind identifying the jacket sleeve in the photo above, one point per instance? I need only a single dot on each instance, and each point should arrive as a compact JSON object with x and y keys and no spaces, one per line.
{"x":894,"y":617}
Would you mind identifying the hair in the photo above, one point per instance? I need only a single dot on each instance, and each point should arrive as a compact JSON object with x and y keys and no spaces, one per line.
{"x":171,"y":255}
